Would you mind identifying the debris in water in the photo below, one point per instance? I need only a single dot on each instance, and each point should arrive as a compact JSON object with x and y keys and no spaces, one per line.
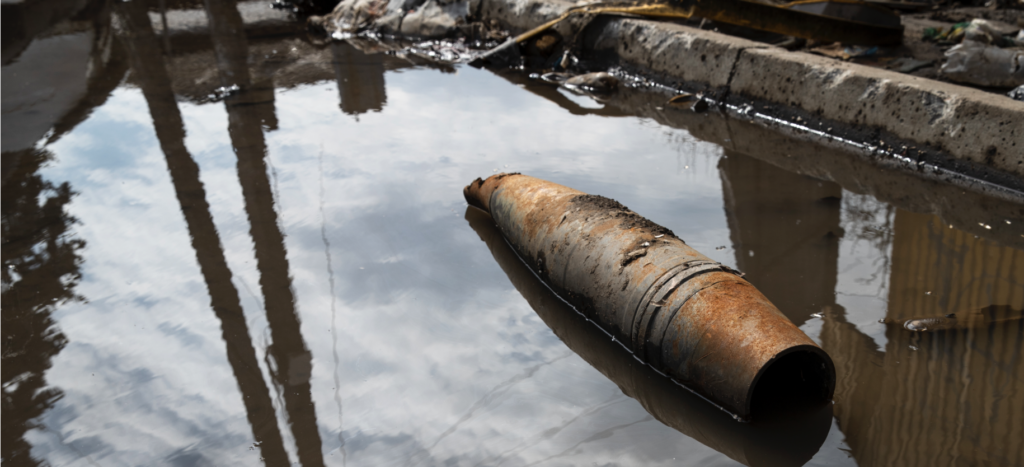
{"x":599,"y":82}
{"x":684,"y":99}
{"x":224,"y":92}
{"x":978,"y":318}
{"x":1017,"y":93}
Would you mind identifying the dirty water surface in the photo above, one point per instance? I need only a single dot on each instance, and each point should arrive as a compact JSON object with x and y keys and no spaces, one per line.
{"x":227,"y":248}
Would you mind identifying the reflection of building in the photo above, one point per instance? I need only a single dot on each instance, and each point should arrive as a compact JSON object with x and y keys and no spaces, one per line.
{"x":785,"y":229}
{"x":938,"y":270}
{"x":942,"y":398}
{"x":360,"y":79}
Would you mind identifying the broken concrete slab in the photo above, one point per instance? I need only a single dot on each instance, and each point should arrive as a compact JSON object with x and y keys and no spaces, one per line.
{"x":683,"y":53}
{"x":966,"y":123}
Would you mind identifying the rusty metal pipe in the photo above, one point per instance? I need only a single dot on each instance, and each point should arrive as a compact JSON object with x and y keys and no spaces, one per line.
{"x":788,"y":437}
{"x":679,"y":311}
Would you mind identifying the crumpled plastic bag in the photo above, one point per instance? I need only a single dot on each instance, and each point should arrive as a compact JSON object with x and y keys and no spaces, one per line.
{"x":986,"y":32}
{"x":1017,"y":93}
{"x":984,"y":65}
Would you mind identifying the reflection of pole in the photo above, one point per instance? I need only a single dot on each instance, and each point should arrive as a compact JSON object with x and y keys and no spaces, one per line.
{"x":360,"y":79}
{"x":166,"y":33}
{"x":292,"y":359}
{"x":785,"y":229}
{"x":144,"y":51}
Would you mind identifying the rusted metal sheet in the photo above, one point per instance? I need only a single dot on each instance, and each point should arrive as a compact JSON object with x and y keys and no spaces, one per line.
{"x":846,"y":21}
{"x":676,"y":309}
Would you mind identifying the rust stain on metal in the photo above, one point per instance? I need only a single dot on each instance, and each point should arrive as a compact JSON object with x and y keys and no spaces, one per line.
{"x":677,"y":309}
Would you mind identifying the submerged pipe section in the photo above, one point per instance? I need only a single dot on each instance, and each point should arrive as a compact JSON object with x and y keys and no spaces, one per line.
{"x":679,"y":311}
{"x":789,"y":436}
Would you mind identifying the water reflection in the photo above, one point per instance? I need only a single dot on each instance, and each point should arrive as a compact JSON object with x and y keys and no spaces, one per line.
{"x":785,"y":230}
{"x":473,"y":378}
{"x":41,"y":253}
{"x":360,"y":79}
{"x":41,"y":262}
{"x":292,"y":362}
{"x":151,"y":74}
{"x":942,"y":398}
{"x":787,"y":438}
{"x":60,"y":62}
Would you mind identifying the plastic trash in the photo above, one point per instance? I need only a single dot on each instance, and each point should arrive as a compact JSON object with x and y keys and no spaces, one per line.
{"x":1017,"y":93}
{"x":953,"y":34}
{"x":977,"y":63}
{"x":987,"y":32}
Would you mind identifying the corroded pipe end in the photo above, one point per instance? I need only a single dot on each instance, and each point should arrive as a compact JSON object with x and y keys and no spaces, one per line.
{"x":478,"y":193}
{"x":802,"y":375}
{"x":718,"y":333}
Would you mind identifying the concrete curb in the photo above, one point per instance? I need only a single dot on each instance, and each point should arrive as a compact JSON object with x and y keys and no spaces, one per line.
{"x":967,"y":125}
{"x":971,"y":207}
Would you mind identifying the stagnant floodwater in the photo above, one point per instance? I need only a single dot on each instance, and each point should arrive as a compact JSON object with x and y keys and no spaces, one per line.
{"x":290,"y":275}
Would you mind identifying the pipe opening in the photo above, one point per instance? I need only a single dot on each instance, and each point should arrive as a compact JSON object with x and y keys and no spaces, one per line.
{"x":799,"y":380}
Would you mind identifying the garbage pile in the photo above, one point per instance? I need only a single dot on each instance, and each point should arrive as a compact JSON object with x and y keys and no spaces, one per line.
{"x":985,"y":54}
{"x":427,"y":19}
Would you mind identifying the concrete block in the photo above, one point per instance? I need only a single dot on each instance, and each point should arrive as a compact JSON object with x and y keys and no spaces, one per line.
{"x":682,"y":52}
{"x":967,"y":123}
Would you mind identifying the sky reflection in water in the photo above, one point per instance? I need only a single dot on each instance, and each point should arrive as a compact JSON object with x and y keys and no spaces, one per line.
{"x":420,"y":350}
